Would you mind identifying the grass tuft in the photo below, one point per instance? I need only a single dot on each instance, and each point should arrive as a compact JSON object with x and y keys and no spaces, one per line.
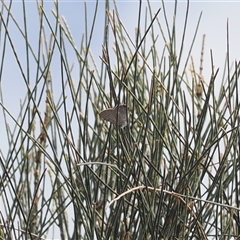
{"x":171,"y":173}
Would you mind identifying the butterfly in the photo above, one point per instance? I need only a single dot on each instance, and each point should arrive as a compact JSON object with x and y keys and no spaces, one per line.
{"x":116,"y":115}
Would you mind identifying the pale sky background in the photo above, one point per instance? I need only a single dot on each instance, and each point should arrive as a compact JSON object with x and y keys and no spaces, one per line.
{"x":213,"y":24}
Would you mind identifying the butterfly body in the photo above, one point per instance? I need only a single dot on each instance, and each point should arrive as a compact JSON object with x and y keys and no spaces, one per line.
{"x":116,"y":115}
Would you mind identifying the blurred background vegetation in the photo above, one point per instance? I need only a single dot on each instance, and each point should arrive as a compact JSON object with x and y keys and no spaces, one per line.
{"x":172,"y":173}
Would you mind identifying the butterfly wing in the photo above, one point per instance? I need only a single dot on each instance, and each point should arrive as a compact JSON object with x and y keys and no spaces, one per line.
{"x":108,"y":115}
{"x":118,"y":113}
{"x":122,"y":115}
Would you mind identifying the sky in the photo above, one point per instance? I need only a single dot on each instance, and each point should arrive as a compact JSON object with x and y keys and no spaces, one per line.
{"x":215,"y":16}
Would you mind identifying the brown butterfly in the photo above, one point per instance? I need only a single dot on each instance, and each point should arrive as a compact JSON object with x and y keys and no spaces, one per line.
{"x":116,"y":115}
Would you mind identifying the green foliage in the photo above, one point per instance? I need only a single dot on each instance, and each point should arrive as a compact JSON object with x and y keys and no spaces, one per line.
{"x":172,"y":173}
